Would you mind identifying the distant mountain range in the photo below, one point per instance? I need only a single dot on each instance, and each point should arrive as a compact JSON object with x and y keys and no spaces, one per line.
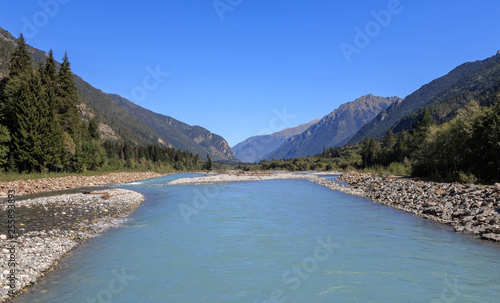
{"x":122,"y":121}
{"x":371,"y":116}
{"x":256,"y":148}
{"x":335,"y":129}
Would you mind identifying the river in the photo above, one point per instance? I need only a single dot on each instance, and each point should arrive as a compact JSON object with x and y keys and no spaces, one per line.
{"x":271,"y":241}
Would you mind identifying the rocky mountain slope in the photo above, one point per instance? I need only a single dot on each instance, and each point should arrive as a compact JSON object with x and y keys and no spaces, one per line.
{"x":335,"y":129}
{"x":178,"y":134}
{"x":443,"y":96}
{"x":255,"y":148}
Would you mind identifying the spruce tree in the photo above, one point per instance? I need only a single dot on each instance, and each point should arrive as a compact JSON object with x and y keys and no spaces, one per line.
{"x":53,"y":145}
{"x":27,"y":127}
{"x":93,"y":130}
{"x":63,"y":145}
{"x":389,"y":141}
{"x":209,"y":163}
{"x":19,"y":70}
{"x":4,"y":144}
{"x":36,"y":135}
{"x":388,"y":144}
{"x":21,"y":60}
{"x":69,"y":100}
{"x":50,"y":70}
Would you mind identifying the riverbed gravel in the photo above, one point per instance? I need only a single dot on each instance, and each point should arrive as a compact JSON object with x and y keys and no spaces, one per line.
{"x":50,"y":227}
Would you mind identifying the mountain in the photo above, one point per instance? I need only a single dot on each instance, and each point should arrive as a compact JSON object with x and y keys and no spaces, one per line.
{"x":255,"y":148}
{"x":443,"y":97}
{"x":116,"y":123}
{"x":178,"y":134}
{"x":334,"y":129}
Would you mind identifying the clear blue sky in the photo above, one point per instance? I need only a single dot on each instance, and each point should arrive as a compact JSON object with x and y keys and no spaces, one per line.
{"x":230,"y":70}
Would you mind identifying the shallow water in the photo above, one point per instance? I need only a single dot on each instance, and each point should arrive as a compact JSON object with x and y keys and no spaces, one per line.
{"x":272,"y":241}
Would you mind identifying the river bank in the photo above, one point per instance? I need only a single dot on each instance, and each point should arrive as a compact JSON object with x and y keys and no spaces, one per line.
{"x":468,"y":208}
{"x":50,"y":227}
{"x":29,"y":187}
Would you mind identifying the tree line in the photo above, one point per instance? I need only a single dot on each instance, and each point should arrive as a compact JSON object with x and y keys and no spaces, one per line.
{"x":41,"y":129}
{"x":465,"y":149}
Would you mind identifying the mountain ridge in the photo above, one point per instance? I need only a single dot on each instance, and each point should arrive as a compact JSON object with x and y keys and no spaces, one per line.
{"x":467,"y":77}
{"x":253,"y":149}
{"x":334,"y":129}
{"x":179,"y":134}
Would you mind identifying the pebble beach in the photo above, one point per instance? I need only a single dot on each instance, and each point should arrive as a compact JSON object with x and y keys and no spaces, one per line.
{"x":47,"y":228}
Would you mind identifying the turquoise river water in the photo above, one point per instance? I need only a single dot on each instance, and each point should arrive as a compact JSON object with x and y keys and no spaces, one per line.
{"x":271,"y":241}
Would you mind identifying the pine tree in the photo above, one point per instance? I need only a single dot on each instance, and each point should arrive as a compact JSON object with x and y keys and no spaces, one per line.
{"x":21,"y":61}
{"x":388,"y":144}
{"x":27,"y":127}
{"x":63,"y":147}
{"x":401,"y":149}
{"x":20,"y":69}
{"x":54,"y":145}
{"x":3,"y":108}
{"x":389,"y":141}
{"x":208,"y":165}
{"x":371,"y":152}
{"x":94,"y":130}
{"x":68,"y":101}
{"x":36,"y":135}
{"x":50,"y":68}
{"x":4,"y":144}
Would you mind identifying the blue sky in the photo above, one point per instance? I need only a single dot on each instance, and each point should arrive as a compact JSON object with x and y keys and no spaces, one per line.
{"x":241,"y":67}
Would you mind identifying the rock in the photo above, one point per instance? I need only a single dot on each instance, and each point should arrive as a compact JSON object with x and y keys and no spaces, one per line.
{"x":432,"y":210}
{"x":491,"y":236}
{"x":3,"y":237}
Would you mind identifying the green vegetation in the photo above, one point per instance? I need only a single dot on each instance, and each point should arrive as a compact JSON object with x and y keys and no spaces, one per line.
{"x":124,"y":122}
{"x":443,"y":97}
{"x":466,"y":149}
{"x":41,"y":130}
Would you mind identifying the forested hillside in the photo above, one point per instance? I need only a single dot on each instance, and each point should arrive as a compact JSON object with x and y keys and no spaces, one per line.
{"x":178,"y":134}
{"x":443,"y":97}
{"x":115,"y":123}
{"x":42,"y":130}
{"x":465,"y":149}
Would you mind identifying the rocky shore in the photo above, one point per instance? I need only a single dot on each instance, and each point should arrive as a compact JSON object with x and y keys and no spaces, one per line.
{"x":29,"y":187}
{"x":50,"y":227}
{"x":468,"y":208}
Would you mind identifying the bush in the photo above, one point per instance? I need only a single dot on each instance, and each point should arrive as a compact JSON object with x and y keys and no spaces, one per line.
{"x":397,"y":168}
{"x":467,"y":178}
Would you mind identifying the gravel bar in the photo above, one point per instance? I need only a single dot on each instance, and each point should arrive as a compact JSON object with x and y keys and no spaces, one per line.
{"x":49,"y":227}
